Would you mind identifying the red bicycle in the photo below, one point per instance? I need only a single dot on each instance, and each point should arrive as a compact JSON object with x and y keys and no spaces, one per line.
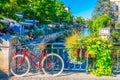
{"x":51,"y":64}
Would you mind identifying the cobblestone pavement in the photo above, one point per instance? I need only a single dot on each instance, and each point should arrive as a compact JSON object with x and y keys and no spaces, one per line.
{"x":63,"y":76}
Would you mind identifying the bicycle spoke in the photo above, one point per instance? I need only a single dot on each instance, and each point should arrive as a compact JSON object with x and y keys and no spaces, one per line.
{"x":19,"y":68}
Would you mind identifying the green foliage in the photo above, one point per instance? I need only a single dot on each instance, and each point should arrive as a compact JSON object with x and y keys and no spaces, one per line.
{"x":1,"y":26}
{"x":38,"y":32}
{"x":101,"y":21}
{"x":72,"y":45}
{"x":118,"y":25}
{"x":8,"y":8}
{"x":43,"y":10}
{"x":80,"y":20}
{"x":103,"y":7}
{"x":116,"y":36}
{"x":90,"y":23}
{"x":22,"y":39}
{"x":101,"y":48}
{"x":61,"y":14}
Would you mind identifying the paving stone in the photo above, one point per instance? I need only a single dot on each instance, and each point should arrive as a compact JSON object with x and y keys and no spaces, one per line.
{"x":65,"y":76}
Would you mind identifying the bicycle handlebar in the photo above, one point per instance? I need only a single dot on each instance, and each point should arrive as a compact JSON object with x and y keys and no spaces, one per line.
{"x":27,"y":46}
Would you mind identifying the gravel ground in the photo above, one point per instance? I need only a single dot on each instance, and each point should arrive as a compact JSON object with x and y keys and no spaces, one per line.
{"x":63,"y":76}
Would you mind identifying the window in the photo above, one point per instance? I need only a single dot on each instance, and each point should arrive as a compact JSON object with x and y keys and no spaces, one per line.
{"x":117,"y":8}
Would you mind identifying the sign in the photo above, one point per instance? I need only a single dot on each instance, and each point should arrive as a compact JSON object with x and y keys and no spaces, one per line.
{"x":105,"y":31}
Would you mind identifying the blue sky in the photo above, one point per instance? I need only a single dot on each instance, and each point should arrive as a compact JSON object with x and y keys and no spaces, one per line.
{"x":81,"y":8}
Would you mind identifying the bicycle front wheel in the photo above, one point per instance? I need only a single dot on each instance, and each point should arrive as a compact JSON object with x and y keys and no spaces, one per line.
{"x":19,"y":65}
{"x":52,"y":64}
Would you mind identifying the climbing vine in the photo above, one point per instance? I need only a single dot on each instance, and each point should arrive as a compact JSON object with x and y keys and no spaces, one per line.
{"x":100,"y":48}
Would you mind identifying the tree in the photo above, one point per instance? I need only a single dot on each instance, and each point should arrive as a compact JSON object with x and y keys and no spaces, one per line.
{"x":101,"y":21}
{"x":69,"y":18}
{"x":10,"y":7}
{"x":61,"y":14}
{"x":43,"y":10}
{"x":103,"y":7}
{"x":80,"y":20}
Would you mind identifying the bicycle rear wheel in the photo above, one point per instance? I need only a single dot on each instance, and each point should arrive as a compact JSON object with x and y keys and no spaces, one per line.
{"x":19,"y":66}
{"x":52,"y":64}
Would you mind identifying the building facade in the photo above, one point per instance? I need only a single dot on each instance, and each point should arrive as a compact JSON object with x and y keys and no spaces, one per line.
{"x":116,"y":4}
{"x":67,"y":9}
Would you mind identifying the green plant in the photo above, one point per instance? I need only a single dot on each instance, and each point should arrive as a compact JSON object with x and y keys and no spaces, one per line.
{"x":22,"y":39}
{"x":80,"y":20}
{"x":38,"y":32}
{"x":116,"y":36}
{"x":118,"y":25}
{"x":98,"y":23}
{"x":100,"y":48}
{"x":72,"y":45}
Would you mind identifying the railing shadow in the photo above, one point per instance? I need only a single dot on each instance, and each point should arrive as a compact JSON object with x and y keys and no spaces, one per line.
{"x":3,"y":76}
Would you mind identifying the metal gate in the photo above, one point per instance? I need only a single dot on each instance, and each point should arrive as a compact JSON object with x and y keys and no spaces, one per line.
{"x":116,"y":60}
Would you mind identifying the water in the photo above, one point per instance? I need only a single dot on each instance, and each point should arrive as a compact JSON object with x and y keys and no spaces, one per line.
{"x":85,"y":32}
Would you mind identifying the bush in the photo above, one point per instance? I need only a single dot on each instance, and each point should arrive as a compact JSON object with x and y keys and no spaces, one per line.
{"x":115,"y":36}
{"x":101,"y":21}
{"x":118,"y":25}
{"x":101,"y":48}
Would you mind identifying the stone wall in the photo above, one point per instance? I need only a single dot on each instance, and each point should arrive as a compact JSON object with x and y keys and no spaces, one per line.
{"x":6,"y":53}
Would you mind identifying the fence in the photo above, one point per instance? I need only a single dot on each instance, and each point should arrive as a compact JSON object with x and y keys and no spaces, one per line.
{"x":116,"y":59}
{"x":59,"y":48}
{"x":69,"y":66}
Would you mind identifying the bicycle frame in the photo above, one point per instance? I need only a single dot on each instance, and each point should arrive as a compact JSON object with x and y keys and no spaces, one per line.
{"x":26,"y":53}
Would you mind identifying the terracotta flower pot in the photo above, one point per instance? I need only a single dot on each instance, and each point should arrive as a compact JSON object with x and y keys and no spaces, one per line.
{"x":92,"y":56}
{"x":83,"y":54}
{"x":78,"y":53}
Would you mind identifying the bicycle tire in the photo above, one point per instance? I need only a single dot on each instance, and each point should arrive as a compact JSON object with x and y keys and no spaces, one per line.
{"x":14,"y":67}
{"x":57,"y":58}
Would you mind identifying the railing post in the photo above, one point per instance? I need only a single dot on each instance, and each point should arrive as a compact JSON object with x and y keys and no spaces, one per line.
{"x":87,"y":62}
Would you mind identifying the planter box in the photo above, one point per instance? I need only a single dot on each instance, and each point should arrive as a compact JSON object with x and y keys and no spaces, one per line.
{"x":84,"y":54}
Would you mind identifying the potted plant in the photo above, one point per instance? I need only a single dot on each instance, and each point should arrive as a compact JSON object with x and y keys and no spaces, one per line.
{"x":73,"y":46}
